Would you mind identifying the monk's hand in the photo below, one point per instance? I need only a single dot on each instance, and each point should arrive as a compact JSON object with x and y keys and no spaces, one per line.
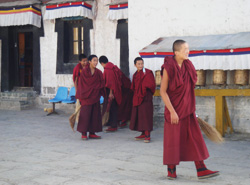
{"x":111,"y":96}
{"x":174,"y":118}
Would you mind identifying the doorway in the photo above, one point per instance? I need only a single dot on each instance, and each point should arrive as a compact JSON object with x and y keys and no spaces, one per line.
{"x":122,"y":34}
{"x":21,"y":57}
{"x":25,"y":59}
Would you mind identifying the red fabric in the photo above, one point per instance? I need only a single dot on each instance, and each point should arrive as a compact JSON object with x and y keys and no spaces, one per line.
{"x":140,"y":83}
{"x":181,"y":87}
{"x":112,"y":77}
{"x":126,"y":83}
{"x":77,"y":71}
{"x":90,"y":119}
{"x":142,"y":115}
{"x":125,"y":108}
{"x":182,"y":141}
{"x":90,"y":87}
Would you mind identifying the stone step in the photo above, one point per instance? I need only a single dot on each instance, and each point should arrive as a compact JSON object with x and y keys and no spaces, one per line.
{"x":15,"y":95}
{"x":23,"y":89}
{"x":15,"y":104}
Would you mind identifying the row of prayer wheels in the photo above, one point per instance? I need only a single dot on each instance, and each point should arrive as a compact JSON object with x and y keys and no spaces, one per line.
{"x":241,"y":77}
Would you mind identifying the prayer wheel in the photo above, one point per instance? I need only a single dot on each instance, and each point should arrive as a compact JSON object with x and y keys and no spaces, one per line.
{"x":219,"y":77}
{"x":201,"y":77}
{"x":158,"y":77}
{"x":241,"y":77}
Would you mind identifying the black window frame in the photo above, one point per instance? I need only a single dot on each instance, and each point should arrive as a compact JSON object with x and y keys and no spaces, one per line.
{"x":66,"y":61}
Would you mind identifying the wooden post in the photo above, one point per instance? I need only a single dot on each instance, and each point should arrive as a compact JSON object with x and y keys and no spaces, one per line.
{"x":219,"y":108}
{"x":227,"y":116}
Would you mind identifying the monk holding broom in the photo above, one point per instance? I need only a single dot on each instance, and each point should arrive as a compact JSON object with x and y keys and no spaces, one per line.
{"x":90,"y":88}
{"x":83,"y":60}
{"x":113,"y":83}
{"x":183,"y":140}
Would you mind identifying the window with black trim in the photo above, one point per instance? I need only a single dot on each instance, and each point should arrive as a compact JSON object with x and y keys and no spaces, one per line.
{"x":73,"y":39}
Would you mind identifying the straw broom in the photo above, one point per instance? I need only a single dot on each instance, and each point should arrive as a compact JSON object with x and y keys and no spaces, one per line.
{"x":211,"y":133}
{"x":105,"y":117}
{"x":72,"y":118}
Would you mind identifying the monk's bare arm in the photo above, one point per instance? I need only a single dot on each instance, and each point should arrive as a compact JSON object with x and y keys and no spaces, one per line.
{"x":165,"y":98}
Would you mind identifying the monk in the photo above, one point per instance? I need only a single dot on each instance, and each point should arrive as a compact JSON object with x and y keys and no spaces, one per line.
{"x":183,"y":140}
{"x":113,"y":84}
{"x":83,"y":60}
{"x":143,"y":86}
{"x":125,"y":108}
{"x":90,"y":88}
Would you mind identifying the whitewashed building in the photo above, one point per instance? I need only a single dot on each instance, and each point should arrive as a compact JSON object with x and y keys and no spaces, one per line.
{"x":120,"y":29}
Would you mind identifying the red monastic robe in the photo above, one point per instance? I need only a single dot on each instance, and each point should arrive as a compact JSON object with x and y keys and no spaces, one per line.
{"x":125,"y":108}
{"x":143,"y":86}
{"x":77,"y":71}
{"x":90,"y":89}
{"x":140,"y":84}
{"x":182,"y":141}
{"x":112,"y":78}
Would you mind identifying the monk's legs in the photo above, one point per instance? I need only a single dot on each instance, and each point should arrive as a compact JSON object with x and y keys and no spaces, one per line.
{"x":84,"y":120}
{"x":89,"y":119}
{"x":172,"y":172}
{"x":113,"y":117}
{"x":203,"y":172}
{"x":95,"y":122}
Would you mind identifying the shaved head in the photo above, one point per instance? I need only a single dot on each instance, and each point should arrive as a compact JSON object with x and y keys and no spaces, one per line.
{"x":177,"y":45}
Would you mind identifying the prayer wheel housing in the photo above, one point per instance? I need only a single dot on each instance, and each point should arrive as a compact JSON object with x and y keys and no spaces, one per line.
{"x":219,"y":77}
{"x":201,"y":77}
{"x":241,"y":77}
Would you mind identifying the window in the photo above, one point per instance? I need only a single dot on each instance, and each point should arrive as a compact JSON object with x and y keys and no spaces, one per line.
{"x":78,"y":40}
{"x":75,"y":31}
{"x":73,"y":39}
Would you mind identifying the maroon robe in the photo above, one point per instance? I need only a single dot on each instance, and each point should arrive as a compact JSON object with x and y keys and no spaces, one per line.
{"x":90,"y":89}
{"x":143,"y":86}
{"x":112,"y":78}
{"x":182,"y":141}
{"x":77,"y":71}
{"x":125,"y":108}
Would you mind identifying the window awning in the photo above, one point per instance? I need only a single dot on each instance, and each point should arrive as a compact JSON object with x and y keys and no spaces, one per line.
{"x":22,"y":15}
{"x":118,"y":11}
{"x":210,"y":52}
{"x":72,"y":9}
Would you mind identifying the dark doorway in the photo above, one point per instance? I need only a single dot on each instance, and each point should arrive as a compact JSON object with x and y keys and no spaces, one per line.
{"x":25,"y":59}
{"x":122,"y":34}
{"x":21,"y":57}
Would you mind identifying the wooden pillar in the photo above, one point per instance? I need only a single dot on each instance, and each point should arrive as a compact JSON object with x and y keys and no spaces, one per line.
{"x":219,"y":108}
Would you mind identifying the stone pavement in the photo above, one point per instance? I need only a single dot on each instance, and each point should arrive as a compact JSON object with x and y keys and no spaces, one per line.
{"x":36,"y":149}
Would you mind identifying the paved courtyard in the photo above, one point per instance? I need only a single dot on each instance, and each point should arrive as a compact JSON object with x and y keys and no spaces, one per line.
{"x":36,"y":149}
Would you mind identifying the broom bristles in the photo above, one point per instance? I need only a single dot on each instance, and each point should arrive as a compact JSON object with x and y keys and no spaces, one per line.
{"x":211,"y":133}
{"x":72,"y":119}
{"x":105,"y":118}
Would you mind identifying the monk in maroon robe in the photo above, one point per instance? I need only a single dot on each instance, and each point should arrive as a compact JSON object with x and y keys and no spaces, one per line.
{"x":83,"y":60}
{"x":183,"y":140}
{"x":90,"y":88}
{"x":113,"y":84}
{"x":143,"y":86}
{"x":125,"y":108}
